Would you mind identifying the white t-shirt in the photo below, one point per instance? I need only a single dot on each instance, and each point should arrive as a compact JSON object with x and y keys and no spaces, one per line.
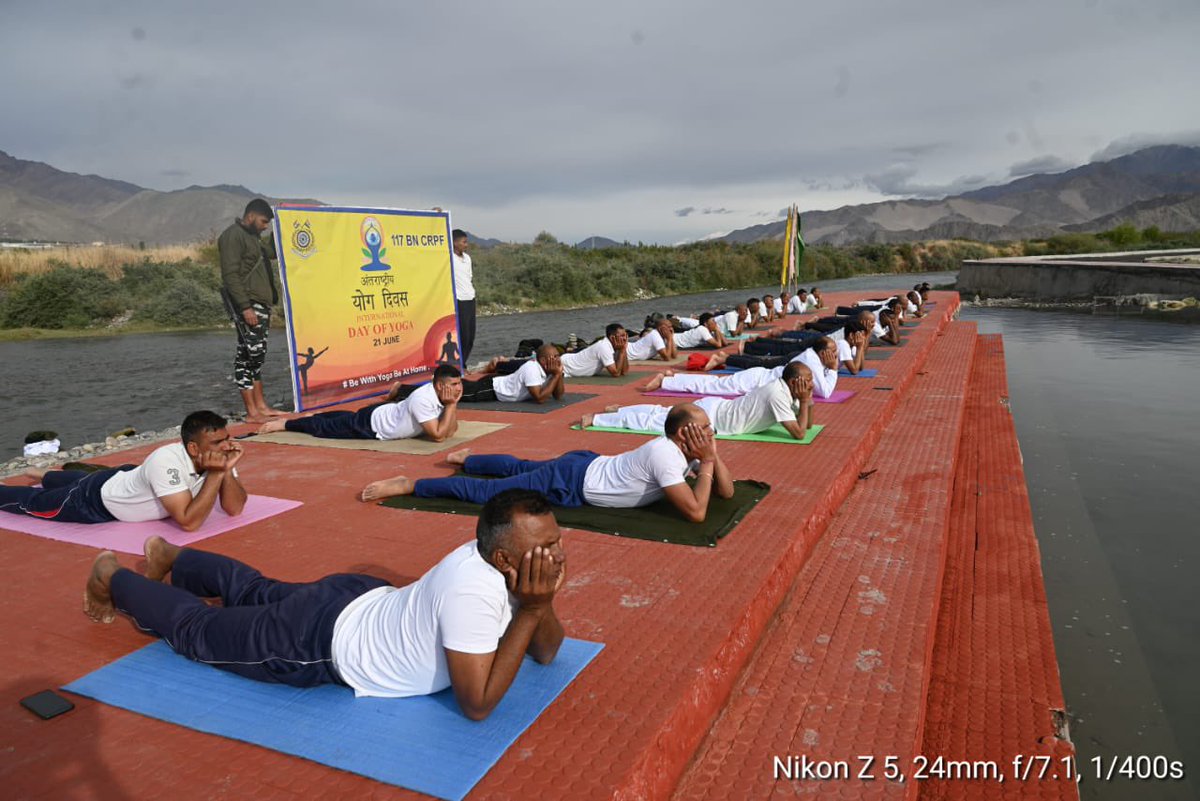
{"x":824,"y":379}
{"x":590,"y":361}
{"x":390,"y":642}
{"x":757,"y":410}
{"x":910,"y":307}
{"x":688,"y":322}
{"x":646,"y":347}
{"x":133,"y":495}
{"x":845,"y":352}
{"x":878,"y":330}
{"x":778,"y":304}
{"x":513,"y":387}
{"x":797,"y":306}
{"x":693,"y":337}
{"x":637,"y":477}
{"x":403,"y":420}
{"x":728,"y":321}
{"x":464,"y":288}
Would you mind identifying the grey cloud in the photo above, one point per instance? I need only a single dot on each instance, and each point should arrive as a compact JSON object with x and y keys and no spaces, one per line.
{"x":721,"y":210}
{"x":842,"y":87}
{"x":1039,"y":164}
{"x":898,"y":181}
{"x":1128,"y":144}
{"x":685,"y":211}
{"x":913,"y":151}
{"x":597,"y":113}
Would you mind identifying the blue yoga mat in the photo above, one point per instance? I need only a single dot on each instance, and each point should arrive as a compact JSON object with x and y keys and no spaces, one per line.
{"x":423,"y":743}
{"x":866,"y":372}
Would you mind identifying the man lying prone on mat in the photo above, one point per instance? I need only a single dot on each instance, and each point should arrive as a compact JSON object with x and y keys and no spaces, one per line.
{"x":606,"y":356}
{"x":182,"y":481}
{"x":819,"y":355}
{"x":466,"y":624}
{"x":536,"y":380}
{"x":787,"y":401}
{"x":429,"y":411}
{"x":580,"y":478}
{"x":656,"y":343}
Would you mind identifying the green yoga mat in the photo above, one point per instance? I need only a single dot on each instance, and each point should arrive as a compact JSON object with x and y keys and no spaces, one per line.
{"x":659,"y":522}
{"x":776,"y":433}
{"x":600,"y":380}
{"x":876,"y":353}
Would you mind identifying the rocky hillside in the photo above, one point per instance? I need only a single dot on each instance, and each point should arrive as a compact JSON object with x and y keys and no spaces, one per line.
{"x":39,"y":202}
{"x":1095,"y":196}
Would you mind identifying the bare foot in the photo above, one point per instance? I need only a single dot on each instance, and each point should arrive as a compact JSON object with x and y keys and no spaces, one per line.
{"x":268,"y":411}
{"x":613,"y":407}
{"x":586,"y":420}
{"x":458,"y":457}
{"x":655,"y":383}
{"x":491,"y":366}
{"x":389,"y":487}
{"x":272,"y":426}
{"x":97,"y":600}
{"x":36,"y":473}
{"x":256,"y":418}
{"x":160,"y":557}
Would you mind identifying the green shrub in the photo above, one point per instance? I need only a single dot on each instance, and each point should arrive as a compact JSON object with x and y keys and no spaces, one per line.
{"x":64,"y":297}
{"x":184,"y":302}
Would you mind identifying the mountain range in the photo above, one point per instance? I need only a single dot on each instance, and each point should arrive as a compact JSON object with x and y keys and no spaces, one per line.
{"x":1157,"y":185}
{"x":1154,"y":186}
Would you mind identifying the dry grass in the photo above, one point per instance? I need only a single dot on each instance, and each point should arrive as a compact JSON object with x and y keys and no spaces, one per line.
{"x":109,"y":258}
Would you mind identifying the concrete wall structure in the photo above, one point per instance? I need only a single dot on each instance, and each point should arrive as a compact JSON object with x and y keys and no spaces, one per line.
{"x":1079,"y":277}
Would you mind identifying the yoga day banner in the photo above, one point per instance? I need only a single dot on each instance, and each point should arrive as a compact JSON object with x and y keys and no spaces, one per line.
{"x":369,"y":295}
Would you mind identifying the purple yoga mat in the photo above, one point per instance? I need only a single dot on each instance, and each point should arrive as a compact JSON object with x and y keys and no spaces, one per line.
{"x":128,"y":537}
{"x":838,"y":396}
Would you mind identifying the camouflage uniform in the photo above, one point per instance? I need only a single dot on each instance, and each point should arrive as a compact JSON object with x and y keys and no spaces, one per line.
{"x":248,"y":282}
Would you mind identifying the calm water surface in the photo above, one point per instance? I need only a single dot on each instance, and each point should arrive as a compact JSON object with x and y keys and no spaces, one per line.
{"x":1105,"y":413}
{"x":1104,"y":408}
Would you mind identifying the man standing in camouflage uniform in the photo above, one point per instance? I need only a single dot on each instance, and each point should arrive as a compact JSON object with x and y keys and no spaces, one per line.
{"x":249,"y":293}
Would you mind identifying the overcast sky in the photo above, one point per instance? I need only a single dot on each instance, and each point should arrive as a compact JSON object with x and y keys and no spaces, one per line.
{"x":654,"y":121}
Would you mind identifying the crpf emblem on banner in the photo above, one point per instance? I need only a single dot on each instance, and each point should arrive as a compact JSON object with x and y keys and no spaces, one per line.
{"x":372,"y":305}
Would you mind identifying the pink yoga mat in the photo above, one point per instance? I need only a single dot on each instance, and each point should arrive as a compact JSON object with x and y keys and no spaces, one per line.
{"x":838,"y":396}
{"x":128,"y":537}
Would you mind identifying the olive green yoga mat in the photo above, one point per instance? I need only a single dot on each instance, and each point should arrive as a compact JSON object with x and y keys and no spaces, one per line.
{"x":467,"y":431}
{"x":877,"y":352}
{"x":775,"y":433}
{"x":659,"y":522}
{"x":600,"y":380}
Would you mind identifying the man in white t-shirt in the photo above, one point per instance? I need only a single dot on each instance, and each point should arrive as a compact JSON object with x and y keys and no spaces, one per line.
{"x":887,"y":325}
{"x":512,"y":380}
{"x":634,"y":478}
{"x":464,"y":291}
{"x":466,"y":624}
{"x":768,"y":309}
{"x":799,"y":303}
{"x":786,"y":400}
{"x":822,"y":359}
{"x":852,"y":348}
{"x":657,"y":343}
{"x":733,"y":323}
{"x":707,"y":334}
{"x":430,"y":411}
{"x":604,"y":356}
{"x":182,"y":481}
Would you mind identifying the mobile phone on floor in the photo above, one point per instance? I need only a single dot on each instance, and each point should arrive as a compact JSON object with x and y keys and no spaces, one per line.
{"x":47,"y":704}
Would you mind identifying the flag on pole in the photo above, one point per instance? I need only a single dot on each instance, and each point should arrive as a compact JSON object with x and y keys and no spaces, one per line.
{"x":793,"y":251}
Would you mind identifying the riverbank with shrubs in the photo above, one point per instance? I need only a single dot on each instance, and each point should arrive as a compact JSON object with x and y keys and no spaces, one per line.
{"x":111,"y":290}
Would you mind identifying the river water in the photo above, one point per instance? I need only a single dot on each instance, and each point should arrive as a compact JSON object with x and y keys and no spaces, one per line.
{"x":1103,"y":408}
